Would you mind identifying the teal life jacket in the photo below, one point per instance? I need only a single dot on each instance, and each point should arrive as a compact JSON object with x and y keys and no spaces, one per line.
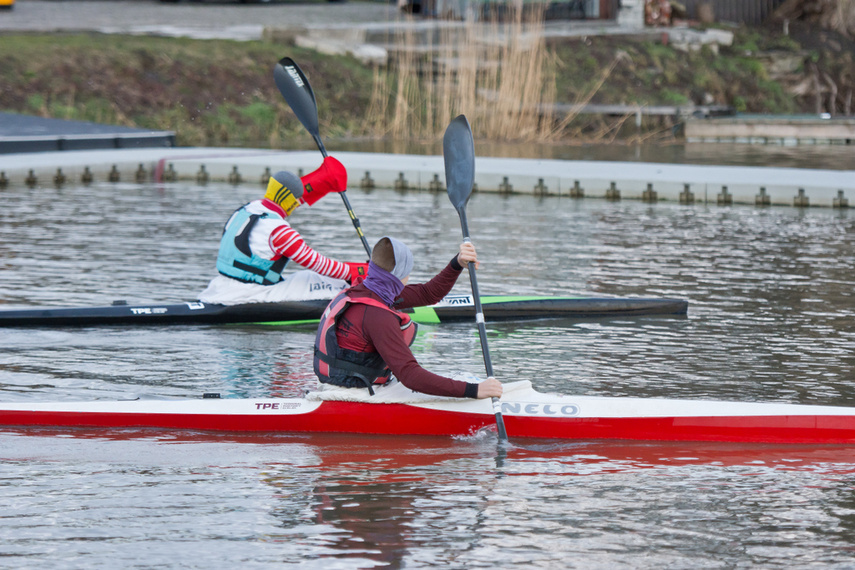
{"x":236,"y":259}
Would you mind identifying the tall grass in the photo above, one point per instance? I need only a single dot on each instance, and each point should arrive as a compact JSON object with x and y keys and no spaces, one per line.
{"x":500,"y":74}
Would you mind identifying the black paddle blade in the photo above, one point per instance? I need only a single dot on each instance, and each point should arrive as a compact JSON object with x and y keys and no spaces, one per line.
{"x":458,"y":150}
{"x":294,"y":86}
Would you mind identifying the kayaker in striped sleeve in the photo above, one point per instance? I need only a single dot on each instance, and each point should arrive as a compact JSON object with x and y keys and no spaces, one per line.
{"x":285,"y":241}
{"x":258,"y":243}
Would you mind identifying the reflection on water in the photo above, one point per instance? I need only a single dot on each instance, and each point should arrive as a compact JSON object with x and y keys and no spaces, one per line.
{"x":771,"y":318}
{"x":355,"y":501}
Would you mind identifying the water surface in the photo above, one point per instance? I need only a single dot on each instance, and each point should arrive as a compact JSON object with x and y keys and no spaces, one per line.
{"x":771,"y":318}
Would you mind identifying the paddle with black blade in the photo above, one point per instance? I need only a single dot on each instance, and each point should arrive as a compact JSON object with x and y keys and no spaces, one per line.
{"x":294,"y":86}
{"x":458,"y":150}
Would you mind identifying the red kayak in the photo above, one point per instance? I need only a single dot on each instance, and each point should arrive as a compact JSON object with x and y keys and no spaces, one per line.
{"x":396,"y":410}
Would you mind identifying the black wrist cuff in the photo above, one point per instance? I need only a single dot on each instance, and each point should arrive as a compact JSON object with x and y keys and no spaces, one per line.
{"x":471,"y":390}
{"x":455,"y":265}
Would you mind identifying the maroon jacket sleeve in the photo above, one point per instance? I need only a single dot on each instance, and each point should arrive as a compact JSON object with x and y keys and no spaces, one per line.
{"x":422,"y":294}
{"x":384,"y":332}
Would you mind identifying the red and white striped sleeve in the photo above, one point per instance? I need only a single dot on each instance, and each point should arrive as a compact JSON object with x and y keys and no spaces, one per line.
{"x":287,"y":242}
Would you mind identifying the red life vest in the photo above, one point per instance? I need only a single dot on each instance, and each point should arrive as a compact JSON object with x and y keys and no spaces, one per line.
{"x":351,"y":368}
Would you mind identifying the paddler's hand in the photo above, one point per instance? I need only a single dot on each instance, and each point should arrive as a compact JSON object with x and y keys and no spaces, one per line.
{"x":331,"y":176}
{"x":467,"y":254}
{"x":357,"y":273}
{"x":490,"y":388}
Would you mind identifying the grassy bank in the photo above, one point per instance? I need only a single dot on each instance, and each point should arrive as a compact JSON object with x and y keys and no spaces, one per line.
{"x":209,"y":92}
{"x":222,"y":92}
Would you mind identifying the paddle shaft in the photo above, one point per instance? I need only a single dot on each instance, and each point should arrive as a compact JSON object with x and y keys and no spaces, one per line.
{"x":295,"y":88}
{"x":344,"y":199}
{"x":458,"y":152}
{"x":482,"y":327}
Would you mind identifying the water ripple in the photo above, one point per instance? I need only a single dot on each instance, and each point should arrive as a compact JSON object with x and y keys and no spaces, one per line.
{"x":771,"y":318}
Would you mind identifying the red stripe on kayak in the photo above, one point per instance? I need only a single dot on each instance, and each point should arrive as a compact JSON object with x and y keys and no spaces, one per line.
{"x":339,"y":417}
{"x":755,"y":429}
{"x":401,"y":419}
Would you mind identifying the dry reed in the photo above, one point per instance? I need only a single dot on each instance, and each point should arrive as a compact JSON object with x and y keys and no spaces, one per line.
{"x":499,"y":73}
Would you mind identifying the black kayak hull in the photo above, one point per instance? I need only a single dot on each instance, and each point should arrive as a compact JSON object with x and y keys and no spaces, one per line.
{"x":457,"y":308}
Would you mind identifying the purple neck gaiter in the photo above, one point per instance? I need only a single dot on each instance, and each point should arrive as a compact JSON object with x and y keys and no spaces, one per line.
{"x":383,"y":283}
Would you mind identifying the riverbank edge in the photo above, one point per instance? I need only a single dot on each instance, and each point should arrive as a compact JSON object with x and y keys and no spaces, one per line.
{"x":219,"y":92}
{"x":687,"y":184}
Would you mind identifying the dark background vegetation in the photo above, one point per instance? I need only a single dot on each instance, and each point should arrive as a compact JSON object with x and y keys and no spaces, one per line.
{"x":217,"y":92}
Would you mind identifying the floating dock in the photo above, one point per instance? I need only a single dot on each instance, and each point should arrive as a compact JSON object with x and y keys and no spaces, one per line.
{"x":30,"y":155}
{"x":650,"y":182}
{"x":25,"y":133}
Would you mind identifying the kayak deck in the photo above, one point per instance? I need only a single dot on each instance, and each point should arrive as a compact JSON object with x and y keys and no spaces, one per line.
{"x":454,"y":308}
{"x":527,"y":414}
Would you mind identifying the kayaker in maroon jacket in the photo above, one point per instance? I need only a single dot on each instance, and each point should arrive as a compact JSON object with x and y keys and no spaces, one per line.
{"x":362,"y":337}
